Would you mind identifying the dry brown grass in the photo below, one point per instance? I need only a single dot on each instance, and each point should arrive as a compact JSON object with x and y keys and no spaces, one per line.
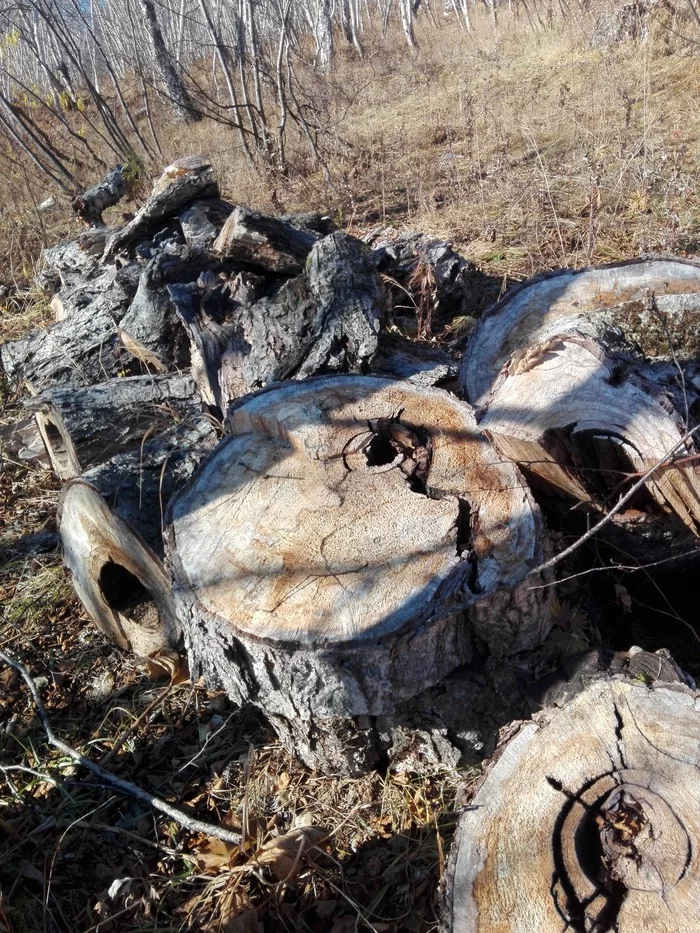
{"x":528,"y":151}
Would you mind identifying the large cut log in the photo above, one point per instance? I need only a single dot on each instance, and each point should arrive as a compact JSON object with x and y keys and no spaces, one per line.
{"x":589,"y":378}
{"x":587,"y":819}
{"x":325,"y":320}
{"x":264,"y":241}
{"x":185,"y":180}
{"x":106,"y":193}
{"x":351,"y":544}
{"x":85,"y":426}
{"x":201,"y":222}
{"x":110,"y":523}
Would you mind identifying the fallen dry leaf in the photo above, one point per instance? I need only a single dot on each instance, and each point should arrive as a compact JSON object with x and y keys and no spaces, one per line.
{"x":286,"y":855}
{"x":167,"y":663}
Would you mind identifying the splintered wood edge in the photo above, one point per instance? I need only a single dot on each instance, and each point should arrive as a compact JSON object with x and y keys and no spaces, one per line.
{"x":92,"y":537}
{"x":229,"y":557}
{"x":532,"y":312}
{"x":589,"y":814}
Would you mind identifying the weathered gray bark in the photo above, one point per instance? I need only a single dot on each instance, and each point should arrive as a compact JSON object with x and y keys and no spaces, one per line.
{"x":76,"y":351}
{"x":84,"y":426}
{"x":184,"y":181}
{"x":91,"y":203}
{"x":603,"y":797}
{"x":202,"y":221}
{"x":345,"y":550}
{"x":110,"y":523}
{"x":267,"y":242}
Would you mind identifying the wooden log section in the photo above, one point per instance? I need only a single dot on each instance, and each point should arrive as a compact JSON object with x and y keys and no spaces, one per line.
{"x":353,"y":542}
{"x":588,"y":819}
{"x":326,"y":319}
{"x":91,"y":203}
{"x":587,"y":379}
{"x":267,"y":242}
{"x":110,"y":522}
{"x":83,"y":427}
{"x":182,"y":182}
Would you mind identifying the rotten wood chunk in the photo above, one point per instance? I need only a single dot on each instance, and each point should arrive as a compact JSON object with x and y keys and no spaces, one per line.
{"x":84,"y":426}
{"x":586,"y":820}
{"x":589,"y":378}
{"x":185,"y":180}
{"x":346,"y":548}
{"x":110,"y":523}
{"x":91,"y":203}
{"x":79,"y":350}
{"x":267,"y":242}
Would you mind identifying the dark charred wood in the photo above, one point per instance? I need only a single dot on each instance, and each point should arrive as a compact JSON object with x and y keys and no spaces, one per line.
{"x":182,"y":182}
{"x":90,"y":205}
{"x":202,"y":222}
{"x":425,"y":364}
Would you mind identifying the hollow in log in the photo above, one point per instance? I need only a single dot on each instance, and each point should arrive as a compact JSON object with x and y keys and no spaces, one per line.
{"x":110,"y":523}
{"x":587,"y":819}
{"x":349,"y":546}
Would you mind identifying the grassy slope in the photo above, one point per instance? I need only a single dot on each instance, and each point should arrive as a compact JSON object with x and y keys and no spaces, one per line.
{"x":529,"y":151}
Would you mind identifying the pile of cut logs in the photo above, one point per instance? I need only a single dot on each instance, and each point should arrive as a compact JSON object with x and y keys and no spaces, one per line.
{"x":343,"y":526}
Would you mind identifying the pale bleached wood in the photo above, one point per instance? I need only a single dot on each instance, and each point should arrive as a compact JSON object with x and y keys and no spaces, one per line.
{"x":587,"y":820}
{"x":266,"y":242}
{"x":586,"y":377}
{"x":347,"y":548}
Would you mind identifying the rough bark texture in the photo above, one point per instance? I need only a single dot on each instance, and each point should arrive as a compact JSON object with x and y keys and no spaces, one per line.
{"x":202,"y":221}
{"x":79,"y":350}
{"x":110,"y":523}
{"x":325,"y":320}
{"x":264,"y":241}
{"x":346,"y":549}
{"x":589,"y":378}
{"x":91,"y":203}
{"x":182,"y":182}
{"x":83,"y":427}
{"x":586,"y":820}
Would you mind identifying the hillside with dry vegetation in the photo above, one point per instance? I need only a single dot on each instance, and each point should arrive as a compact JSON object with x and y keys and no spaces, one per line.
{"x":534,"y":142}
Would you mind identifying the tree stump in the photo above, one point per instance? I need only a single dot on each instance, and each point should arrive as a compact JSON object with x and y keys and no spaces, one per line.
{"x":351,"y":544}
{"x":110,"y":523}
{"x":587,"y":819}
{"x":589,"y":378}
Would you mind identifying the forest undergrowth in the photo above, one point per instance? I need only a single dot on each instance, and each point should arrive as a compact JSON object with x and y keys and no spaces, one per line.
{"x":527,"y":148}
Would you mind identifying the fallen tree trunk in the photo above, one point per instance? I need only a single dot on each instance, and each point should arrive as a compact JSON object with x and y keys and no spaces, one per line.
{"x":83,"y":427}
{"x":353,"y":543}
{"x":110,"y":522}
{"x":588,"y":379}
{"x":603,"y":797}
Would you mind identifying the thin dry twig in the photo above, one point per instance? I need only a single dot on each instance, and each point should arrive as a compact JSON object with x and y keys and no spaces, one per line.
{"x":126,"y":787}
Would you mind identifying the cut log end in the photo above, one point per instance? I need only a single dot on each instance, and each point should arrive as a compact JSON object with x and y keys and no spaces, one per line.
{"x":587,"y":820}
